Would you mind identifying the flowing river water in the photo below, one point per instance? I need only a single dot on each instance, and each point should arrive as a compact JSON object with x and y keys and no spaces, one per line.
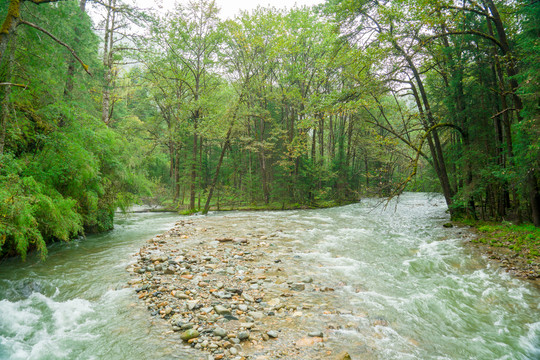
{"x":405,"y":287}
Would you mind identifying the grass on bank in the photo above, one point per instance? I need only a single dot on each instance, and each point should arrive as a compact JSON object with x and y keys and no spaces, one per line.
{"x":522,"y":240}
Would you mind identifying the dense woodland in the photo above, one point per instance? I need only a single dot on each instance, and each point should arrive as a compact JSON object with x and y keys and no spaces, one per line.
{"x":105,"y":105}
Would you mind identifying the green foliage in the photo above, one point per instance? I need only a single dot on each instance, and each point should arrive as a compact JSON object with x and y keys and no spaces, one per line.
{"x":62,"y":171}
{"x":32,"y":213}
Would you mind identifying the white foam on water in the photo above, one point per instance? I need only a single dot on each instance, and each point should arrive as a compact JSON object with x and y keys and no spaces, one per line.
{"x":531,"y":341}
{"x":38,"y":327}
{"x":111,"y":296}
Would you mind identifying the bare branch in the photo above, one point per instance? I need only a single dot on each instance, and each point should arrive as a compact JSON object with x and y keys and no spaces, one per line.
{"x":502,"y":112}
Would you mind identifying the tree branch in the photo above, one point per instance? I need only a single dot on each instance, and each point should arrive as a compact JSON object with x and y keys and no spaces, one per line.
{"x":478,"y":12}
{"x":38,"y":2}
{"x":11,"y":84}
{"x":467,"y":32}
{"x":85,"y":67}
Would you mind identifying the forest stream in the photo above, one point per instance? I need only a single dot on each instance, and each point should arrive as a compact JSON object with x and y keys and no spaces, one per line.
{"x":374,"y":281}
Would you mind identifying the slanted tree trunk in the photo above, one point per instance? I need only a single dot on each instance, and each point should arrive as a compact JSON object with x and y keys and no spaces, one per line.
{"x":226,"y":144}
{"x":433,"y":138}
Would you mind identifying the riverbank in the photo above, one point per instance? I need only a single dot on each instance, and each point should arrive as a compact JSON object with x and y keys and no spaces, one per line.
{"x":514,"y":248}
{"x":360,"y":281}
{"x":184,"y":209}
{"x":230,"y":293}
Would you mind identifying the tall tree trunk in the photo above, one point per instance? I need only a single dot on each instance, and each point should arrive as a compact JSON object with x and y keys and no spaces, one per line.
{"x":321,"y":138}
{"x":193,"y":173}
{"x":177,"y":176}
{"x":461,"y":119}
{"x":68,"y":89}
{"x":534,"y":198}
{"x":9,"y":25}
{"x":6,"y":90}
{"x":108,"y":47}
{"x":314,"y":146}
{"x":349,"y":142}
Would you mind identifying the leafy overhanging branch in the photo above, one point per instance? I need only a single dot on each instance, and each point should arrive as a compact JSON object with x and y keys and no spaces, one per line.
{"x":401,"y":187}
{"x":13,"y":19}
{"x":85,"y":67}
{"x":467,"y":32}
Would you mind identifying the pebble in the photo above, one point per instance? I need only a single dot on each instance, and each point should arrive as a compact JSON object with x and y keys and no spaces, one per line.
{"x":222,"y":310}
{"x":257,"y":315}
{"x":243,"y":335}
{"x":189,"y":334}
{"x":220,"y":332}
{"x":180,"y":295}
{"x":298,"y":286}
{"x":220,"y":294}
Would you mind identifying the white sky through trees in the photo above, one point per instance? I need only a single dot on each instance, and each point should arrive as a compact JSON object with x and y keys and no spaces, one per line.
{"x":230,"y":8}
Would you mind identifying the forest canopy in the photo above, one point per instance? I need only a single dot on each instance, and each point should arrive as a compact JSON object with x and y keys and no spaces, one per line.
{"x":307,"y":107}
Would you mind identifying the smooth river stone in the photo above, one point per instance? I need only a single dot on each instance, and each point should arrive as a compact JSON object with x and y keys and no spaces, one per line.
{"x":220,"y":332}
{"x":222,"y":310}
{"x":189,"y":334}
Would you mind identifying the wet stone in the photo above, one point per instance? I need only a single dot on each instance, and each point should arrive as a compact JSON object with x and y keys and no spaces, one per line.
{"x":221,"y":295}
{"x":189,"y":334}
{"x":257,"y":315}
{"x":298,"y":286}
{"x":222,"y":310}
{"x":243,"y":335}
{"x":220,"y":332}
{"x":186,"y":326}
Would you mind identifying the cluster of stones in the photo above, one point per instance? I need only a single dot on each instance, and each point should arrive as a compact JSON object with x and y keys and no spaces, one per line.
{"x":213,"y":296}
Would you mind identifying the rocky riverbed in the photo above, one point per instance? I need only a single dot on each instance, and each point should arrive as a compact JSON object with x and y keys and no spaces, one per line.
{"x":236,"y":292}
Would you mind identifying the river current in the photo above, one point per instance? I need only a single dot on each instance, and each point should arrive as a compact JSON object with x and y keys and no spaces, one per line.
{"x":407,"y":288}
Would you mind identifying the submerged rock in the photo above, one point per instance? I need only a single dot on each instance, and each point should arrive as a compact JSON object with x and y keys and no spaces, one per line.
{"x":298,"y":287}
{"x":343,"y":356}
